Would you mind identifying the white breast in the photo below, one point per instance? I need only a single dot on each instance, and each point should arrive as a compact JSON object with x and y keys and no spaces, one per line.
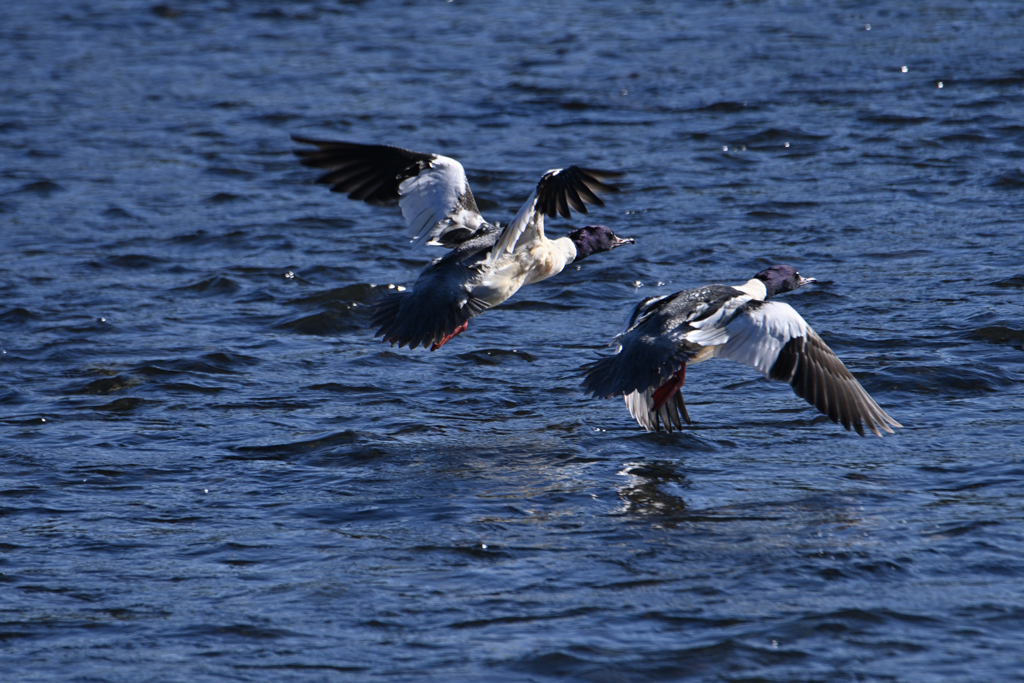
{"x":527,"y":264}
{"x":548,"y":258}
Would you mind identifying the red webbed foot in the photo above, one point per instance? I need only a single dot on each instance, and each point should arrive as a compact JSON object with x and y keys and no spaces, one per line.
{"x":669,"y":388}
{"x":448,"y":337}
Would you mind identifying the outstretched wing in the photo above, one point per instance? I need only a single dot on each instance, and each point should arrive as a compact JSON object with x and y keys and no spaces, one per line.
{"x":776,"y":341}
{"x":559,"y":192}
{"x":431,"y":189}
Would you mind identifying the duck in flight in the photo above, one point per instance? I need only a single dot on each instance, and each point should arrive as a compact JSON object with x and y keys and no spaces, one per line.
{"x":667,"y":333}
{"x":487,"y":264}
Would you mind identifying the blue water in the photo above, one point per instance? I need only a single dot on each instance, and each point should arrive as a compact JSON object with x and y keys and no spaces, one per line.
{"x":210,"y":470}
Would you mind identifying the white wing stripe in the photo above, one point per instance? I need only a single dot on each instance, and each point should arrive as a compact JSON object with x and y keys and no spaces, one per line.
{"x":514,"y":230}
{"x":756,"y":337}
{"x":430,"y":200}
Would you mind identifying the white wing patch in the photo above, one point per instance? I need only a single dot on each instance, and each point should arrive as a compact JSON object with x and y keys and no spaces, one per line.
{"x":528,"y":218}
{"x":432,"y":200}
{"x":756,"y":337}
{"x":715,"y":329}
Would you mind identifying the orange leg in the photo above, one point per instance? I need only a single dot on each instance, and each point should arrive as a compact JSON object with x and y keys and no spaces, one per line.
{"x":669,"y":388}
{"x":448,"y":337}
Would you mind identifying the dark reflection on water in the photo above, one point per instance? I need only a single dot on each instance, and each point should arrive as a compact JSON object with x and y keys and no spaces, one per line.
{"x":212,"y":471}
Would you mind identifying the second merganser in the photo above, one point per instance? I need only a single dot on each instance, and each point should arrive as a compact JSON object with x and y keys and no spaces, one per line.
{"x":667,"y":333}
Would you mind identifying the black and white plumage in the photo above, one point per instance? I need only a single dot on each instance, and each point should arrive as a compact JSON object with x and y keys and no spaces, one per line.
{"x":487,"y":264}
{"x":667,"y":333}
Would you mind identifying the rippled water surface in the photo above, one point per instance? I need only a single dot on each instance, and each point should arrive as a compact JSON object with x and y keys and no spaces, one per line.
{"x":212,"y":471}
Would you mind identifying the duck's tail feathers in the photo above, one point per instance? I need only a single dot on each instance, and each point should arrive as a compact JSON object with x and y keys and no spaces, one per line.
{"x":405,"y":319}
{"x":641,"y":407}
{"x":634,"y":368}
{"x":643,"y":385}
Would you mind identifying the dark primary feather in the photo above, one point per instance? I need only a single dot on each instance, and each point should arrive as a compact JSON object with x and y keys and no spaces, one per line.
{"x":819,"y":377}
{"x":572,"y":188}
{"x":369,"y":173}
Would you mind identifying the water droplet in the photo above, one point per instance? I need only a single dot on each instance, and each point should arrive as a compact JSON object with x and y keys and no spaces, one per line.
{"x":785,"y":144}
{"x":42,"y":419}
{"x":637,"y":284}
{"x":775,"y":645}
{"x":289,"y":275}
{"x":940,"y":84}
{"x":904,"y":69}
{"x":483,"y":546}
{"x":624,"y":92}
{"x":867,"y":27}
{"x":725,"y":148}
{"x":206,"y":490}
{"x":103,"y":320}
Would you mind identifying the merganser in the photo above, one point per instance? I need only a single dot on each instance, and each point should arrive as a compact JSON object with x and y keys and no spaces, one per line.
{"x":487,"y":264}
{"x":667,"y":333}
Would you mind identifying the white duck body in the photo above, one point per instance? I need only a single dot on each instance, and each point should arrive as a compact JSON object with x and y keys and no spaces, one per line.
{"x":487,"y":265}
{"x":527,"y":265}
{"x":532,"y":258}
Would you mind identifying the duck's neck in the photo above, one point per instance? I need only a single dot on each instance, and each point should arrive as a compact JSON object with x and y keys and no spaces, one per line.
{"x":567,"y":247}
{"x":755,"y":288}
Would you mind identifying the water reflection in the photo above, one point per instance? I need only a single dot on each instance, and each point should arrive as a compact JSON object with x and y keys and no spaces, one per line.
{"x":652,"y":488}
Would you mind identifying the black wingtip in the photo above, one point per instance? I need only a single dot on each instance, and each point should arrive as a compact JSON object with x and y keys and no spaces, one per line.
{"x":601,"y":175}
{"x":368,"y":173}
{"x":561,"y":192}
